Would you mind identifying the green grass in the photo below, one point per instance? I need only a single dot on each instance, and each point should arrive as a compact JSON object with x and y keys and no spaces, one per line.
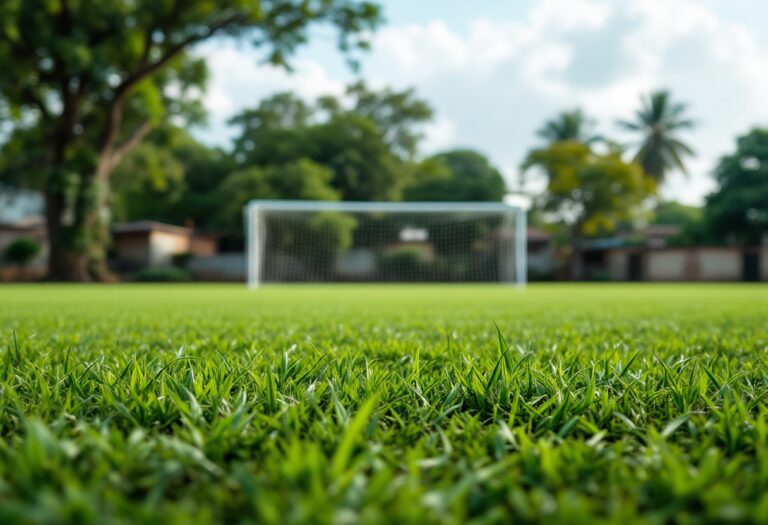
{"x":330,"y":404}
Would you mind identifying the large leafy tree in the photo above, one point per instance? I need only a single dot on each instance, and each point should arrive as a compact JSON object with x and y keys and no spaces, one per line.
{"x":85,"y":82}
{"x":457,"y":175}
{"x":738,"y":210}
{"x":395,"y":113}
{"x":572,"y":125}
{"x":367,"y":139}
{"x":588,"y":192}
{"x":302,"y":179}
{"x":659,"y":122}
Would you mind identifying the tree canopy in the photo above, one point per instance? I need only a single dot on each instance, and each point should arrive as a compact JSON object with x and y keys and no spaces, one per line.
{"x":457,"y":175}
{"x":171,"y":178}
{"x":590,"y":193}
{"x":738,"y":210}
{"x":572,"y":125}
{"x":658,"y":122}
{"x":366,"y":143}
{"x":85,"y":82}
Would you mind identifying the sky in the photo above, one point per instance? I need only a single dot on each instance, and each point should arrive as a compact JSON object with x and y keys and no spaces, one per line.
{"x":495,"y":70}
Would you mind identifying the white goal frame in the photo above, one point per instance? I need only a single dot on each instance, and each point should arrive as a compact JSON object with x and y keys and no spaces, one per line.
{"x":254,"y":237}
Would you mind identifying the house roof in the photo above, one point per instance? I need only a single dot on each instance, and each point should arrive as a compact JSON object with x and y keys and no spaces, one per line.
{"x":149,"y":226}
{"x":33,"y":223}
{"x":661,"y":230}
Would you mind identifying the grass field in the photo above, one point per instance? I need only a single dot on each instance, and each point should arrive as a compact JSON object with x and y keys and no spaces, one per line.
{"x":294,"y":404}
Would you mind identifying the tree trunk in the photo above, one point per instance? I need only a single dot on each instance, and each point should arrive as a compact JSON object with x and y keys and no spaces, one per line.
{"x":77,"y":235}
{"x":64,"y":264}
{"x":77,"y":217}
{"x":577,"y":255}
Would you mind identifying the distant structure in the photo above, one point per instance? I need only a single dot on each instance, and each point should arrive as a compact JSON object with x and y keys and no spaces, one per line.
{"x":143,"y":244}
{"x":20,"y":205}
{"x":29,"y":228}
{"x":650,"y":255}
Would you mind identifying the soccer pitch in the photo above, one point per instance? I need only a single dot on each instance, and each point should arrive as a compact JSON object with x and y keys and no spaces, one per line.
{"x":382,"y":403}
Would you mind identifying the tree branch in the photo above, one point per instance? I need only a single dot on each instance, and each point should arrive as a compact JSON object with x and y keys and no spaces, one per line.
{"x":115,"y":116}
{"x":170,"y":53}
{"x":129,"y":145}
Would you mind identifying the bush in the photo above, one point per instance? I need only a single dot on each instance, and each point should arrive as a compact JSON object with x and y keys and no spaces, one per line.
{"x":404,"y":264}
{"x":180,"y":260}
{"x":21,"y":251}
{"x":163,"y":275}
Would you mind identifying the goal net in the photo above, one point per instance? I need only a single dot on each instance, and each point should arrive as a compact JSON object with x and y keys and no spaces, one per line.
{"x":322,"y":241}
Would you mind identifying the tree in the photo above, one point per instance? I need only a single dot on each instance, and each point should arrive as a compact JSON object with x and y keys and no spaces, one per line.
{"x":658,"y":121}
{"x":171,"y":178}
{"x":569,"y":125}
{"x":590,"y":193}
{"x":87,"y":81}
{"x":366,"y":139}
{"x":395,"y":113}
{"x":458,"y":175}
{"x":21,"y":252}
{"x":673,"y":212}
{"x":738,"y":210}
{"x":301,"y":180}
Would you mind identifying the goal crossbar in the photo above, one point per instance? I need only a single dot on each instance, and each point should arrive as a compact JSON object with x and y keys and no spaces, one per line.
{"x":255,"y":236}
{"x":381,"y":206}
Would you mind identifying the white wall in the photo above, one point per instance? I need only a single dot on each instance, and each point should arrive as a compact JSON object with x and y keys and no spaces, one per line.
{"x":668,"y":265}
{"x":720,"y":264}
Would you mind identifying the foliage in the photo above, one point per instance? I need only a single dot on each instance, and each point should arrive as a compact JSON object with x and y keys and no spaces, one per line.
{"x":181,"y":259}
{"x":332,"y":230}
{"x":690,"y":219}
{"x":21,"y":251}
{"x":163,"y":274}
{"x":658,"y":121}
{"x":673,"y":212}
{"x":366,"y":404}
{"x":457,"y":175}
{"x":738,"y":209}
{"x":302,"y":179}
{"x":404,"y":264}
{"x":366,"y":143}
{"x":85,"y":82}
{"x":170,"y":178}
{"x":396,"y":113}
{"x":569,"y":125}
{"x":588,"y":191}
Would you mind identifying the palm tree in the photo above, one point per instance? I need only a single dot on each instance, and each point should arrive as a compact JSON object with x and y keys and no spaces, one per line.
{"x":569,"y":125}
{"x":658,"y":121}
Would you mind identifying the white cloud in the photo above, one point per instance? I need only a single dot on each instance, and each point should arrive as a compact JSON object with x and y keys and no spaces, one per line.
{"x":239,"y":81}
{"x":499,"y":80}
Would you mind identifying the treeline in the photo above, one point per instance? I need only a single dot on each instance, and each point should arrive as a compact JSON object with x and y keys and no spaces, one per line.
{"x":364,"y":145}
{"x":96,"y":98}
{"x":361,"y":146}
{"x":598,"y":186}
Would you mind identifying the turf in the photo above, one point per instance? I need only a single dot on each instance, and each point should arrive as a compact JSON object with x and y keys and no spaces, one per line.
{"x":378,"y":404}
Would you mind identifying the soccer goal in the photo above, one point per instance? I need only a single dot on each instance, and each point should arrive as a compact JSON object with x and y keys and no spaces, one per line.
{"x":417,"y":242}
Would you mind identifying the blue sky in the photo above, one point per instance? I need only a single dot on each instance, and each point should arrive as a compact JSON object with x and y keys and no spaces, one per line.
{"x":495,"y":70}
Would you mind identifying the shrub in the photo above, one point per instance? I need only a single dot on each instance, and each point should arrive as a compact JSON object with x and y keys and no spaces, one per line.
{"x":403,"y":264}
{"x":21,"y":251}
{"x":180,"y":260}
{"x":163,"y":275}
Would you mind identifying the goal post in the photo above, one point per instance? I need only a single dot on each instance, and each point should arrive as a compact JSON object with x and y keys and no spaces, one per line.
{"x":343,"y":241}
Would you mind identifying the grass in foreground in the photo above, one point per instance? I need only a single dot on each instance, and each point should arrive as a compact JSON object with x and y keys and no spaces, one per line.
{"x":383,"y":404}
